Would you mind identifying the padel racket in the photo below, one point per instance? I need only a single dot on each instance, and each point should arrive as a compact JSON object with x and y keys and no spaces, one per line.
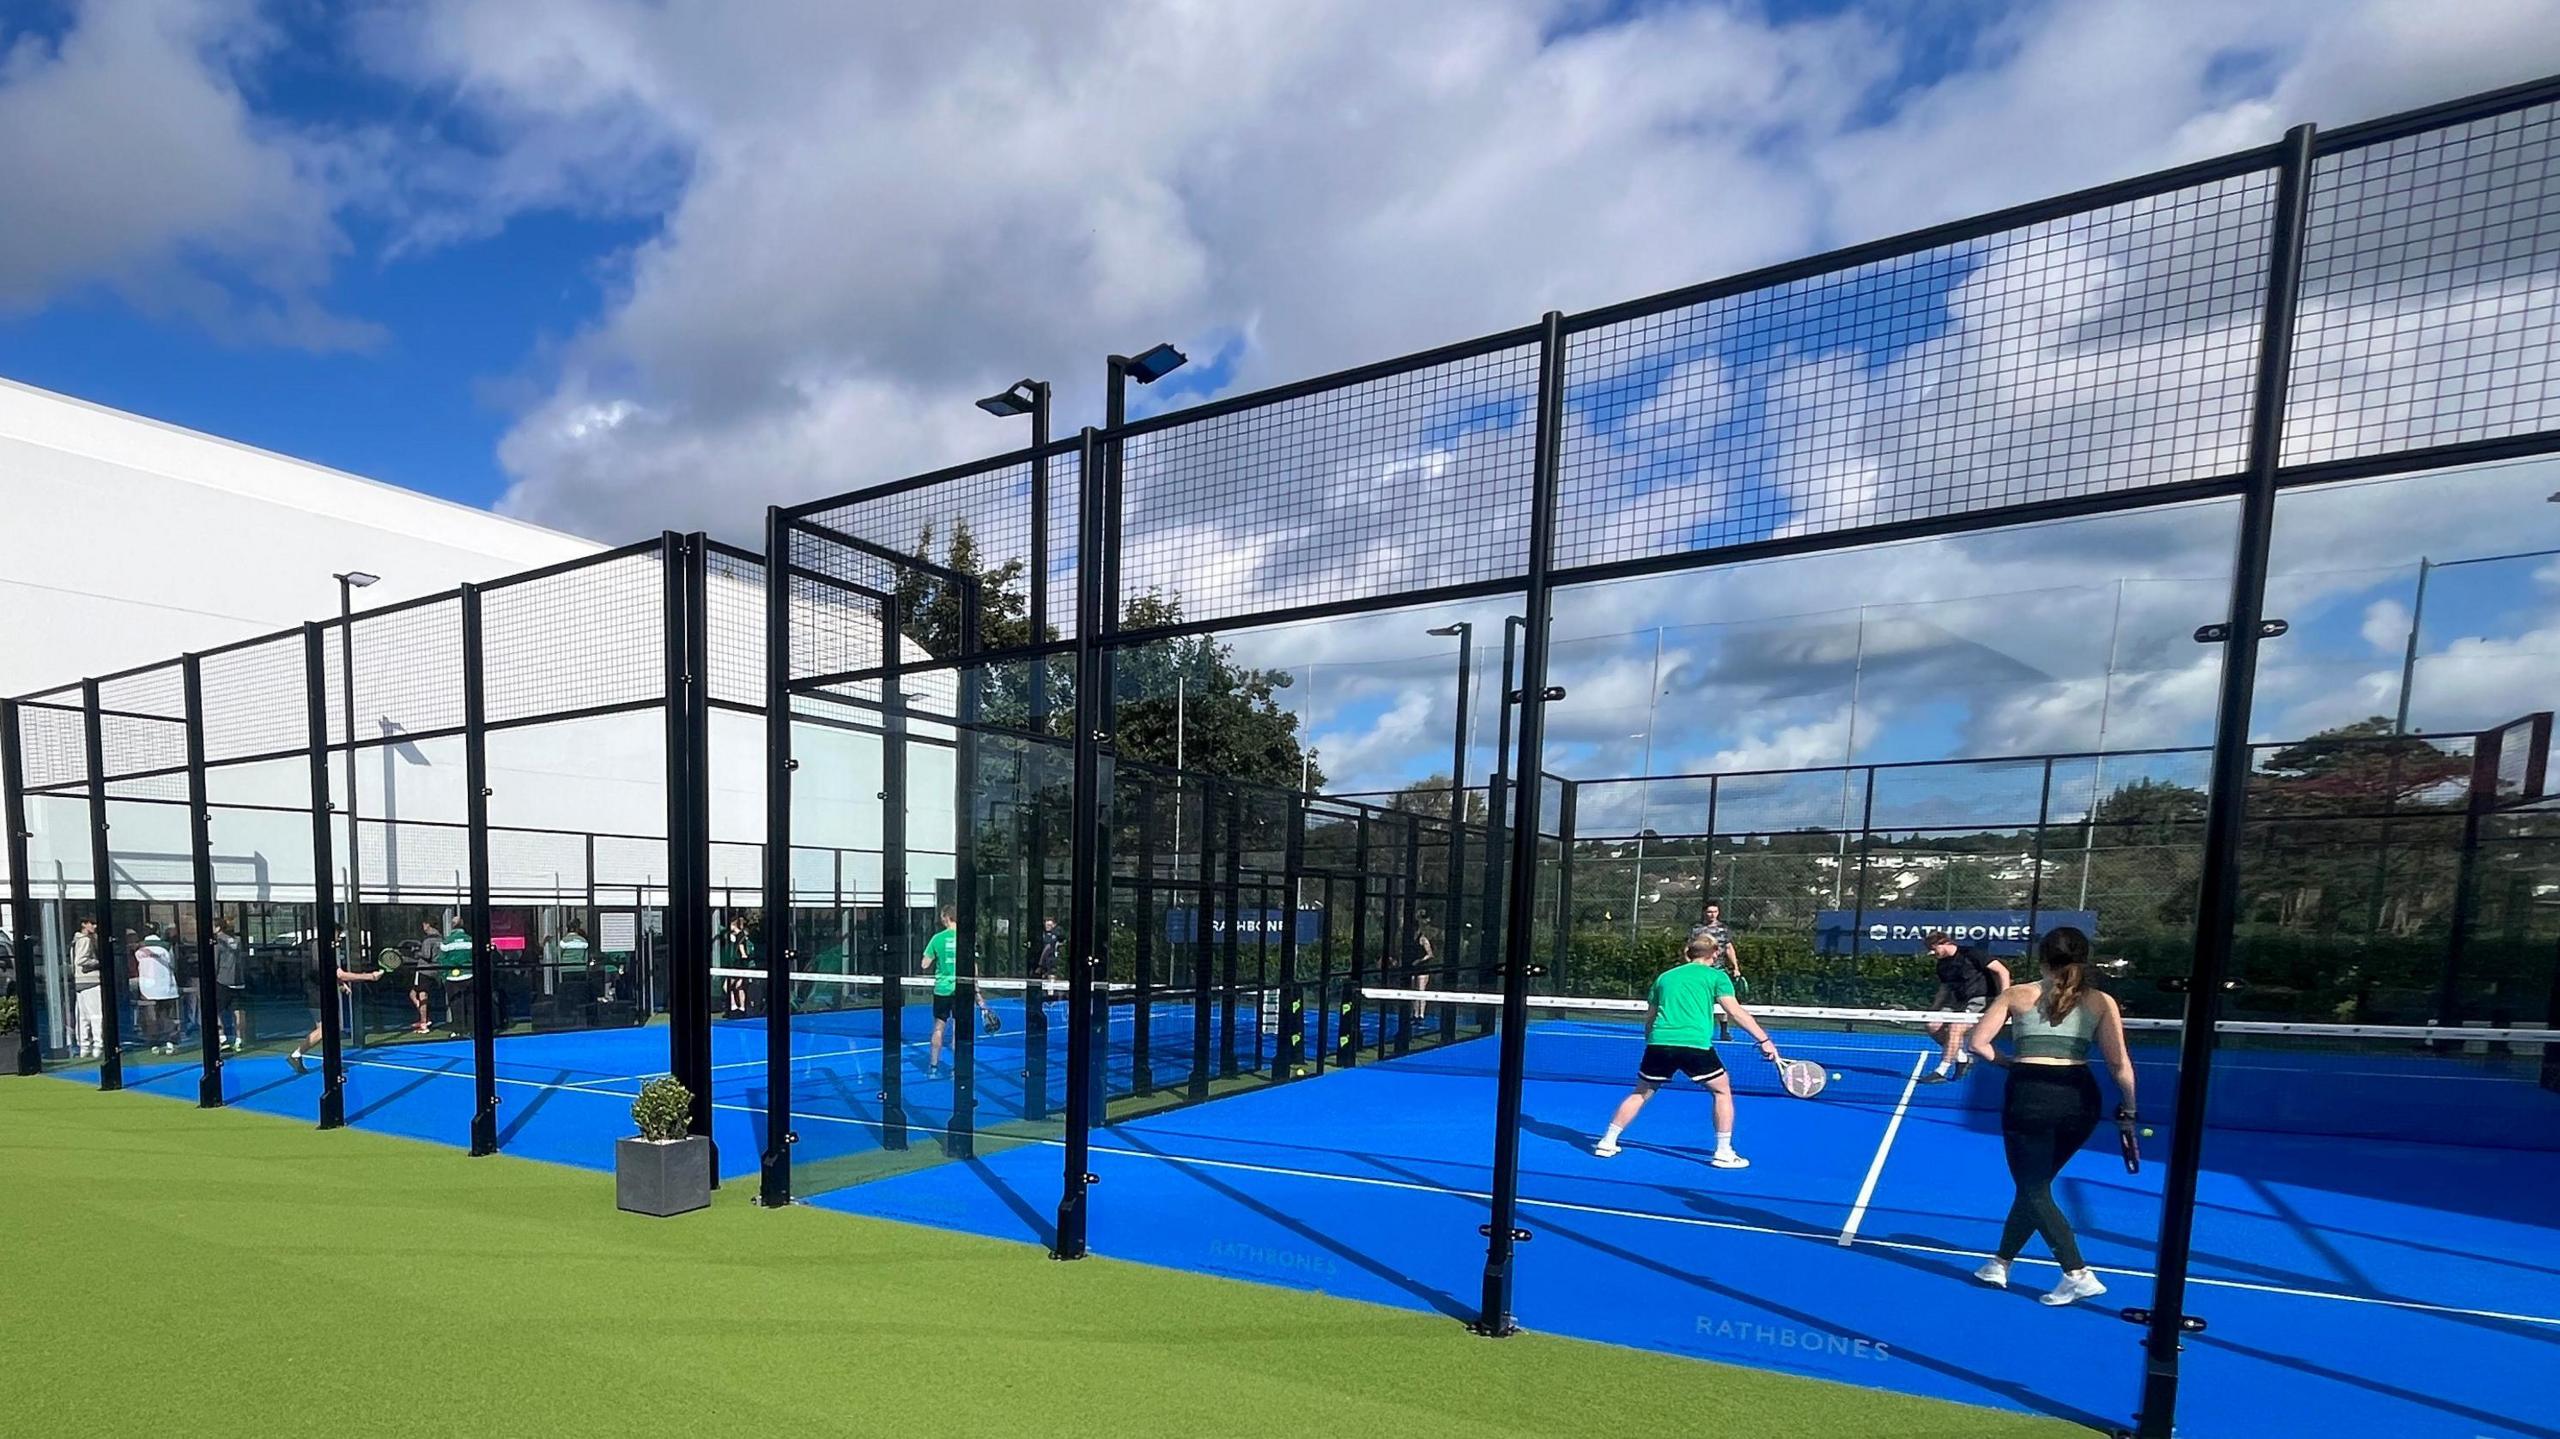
{"x":1802,"y":1077}
{"x":390,"y":960}
{"x":993,"y":1024}
{"x":2125,"y":1140}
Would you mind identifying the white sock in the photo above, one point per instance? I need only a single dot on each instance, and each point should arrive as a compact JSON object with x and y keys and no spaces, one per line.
{"x":1610,"y":1135}
{"x":1944,"y":1064}
{"x":1724,"y":1141}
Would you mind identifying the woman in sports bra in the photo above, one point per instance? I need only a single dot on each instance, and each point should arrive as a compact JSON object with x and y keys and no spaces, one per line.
{"x":2051,"y":1107}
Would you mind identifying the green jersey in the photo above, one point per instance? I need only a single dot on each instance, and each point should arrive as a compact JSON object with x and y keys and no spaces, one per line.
{"x":1684,"y":1005}
{"x":454,"y":952}
{"x":943,"y":951}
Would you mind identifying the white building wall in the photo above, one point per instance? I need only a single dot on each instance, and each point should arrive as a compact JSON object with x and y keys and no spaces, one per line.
{"x":125,"y":541}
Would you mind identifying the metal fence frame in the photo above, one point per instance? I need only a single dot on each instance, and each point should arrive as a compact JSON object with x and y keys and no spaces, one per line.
{"x":1524,"y":478}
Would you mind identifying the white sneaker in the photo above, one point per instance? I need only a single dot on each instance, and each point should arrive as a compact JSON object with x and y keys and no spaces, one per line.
{"x":2076,"y":1284}
{"x":1727,"y":1159}
{"x":1606,"y":1148}
{"x":1994,"y":1272}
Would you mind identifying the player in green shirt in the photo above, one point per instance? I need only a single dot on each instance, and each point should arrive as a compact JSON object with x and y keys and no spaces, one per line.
{"x":942,"y":956}
{"x":1680,"y":1038}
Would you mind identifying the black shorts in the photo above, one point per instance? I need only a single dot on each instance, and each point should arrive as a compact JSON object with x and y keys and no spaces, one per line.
{"x":943,"y":1004}
{"x":1663,"y":1063}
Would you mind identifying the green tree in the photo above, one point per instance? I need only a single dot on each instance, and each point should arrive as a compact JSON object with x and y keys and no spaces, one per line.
{"x":1228,"y":716}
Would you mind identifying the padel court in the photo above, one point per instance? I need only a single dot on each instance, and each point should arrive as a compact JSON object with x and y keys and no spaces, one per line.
{"x":2351,"y":1281}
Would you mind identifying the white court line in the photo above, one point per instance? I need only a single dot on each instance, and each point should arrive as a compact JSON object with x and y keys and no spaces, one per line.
{"x":1606,"y":1211}
{"x":1875,"y":1170}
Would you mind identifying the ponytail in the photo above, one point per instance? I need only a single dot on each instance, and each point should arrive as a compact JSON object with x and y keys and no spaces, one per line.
{"x":2065,"y":956}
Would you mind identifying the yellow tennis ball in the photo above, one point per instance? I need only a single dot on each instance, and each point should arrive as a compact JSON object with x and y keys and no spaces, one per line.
{"x":2146,"y":1131}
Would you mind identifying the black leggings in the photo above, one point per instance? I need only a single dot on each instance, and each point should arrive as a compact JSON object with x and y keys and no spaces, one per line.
{"x":2048,"y":1113}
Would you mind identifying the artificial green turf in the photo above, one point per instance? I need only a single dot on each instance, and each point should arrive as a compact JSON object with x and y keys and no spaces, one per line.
{"x":236,"y":1273}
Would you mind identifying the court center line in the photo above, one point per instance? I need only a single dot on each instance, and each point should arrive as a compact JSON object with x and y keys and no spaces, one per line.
{"x":1606,"y":1211}
{"x":1884,"y":1147}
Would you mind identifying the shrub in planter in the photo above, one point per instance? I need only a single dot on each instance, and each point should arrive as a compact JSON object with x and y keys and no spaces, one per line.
{"x":9,"y":1015}
{"x":667,"y":1170}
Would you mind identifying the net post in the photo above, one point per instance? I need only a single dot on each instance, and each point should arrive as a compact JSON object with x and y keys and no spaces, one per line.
{"x":1493,"y":1315}
{"x":324,"y":940}
{"x":773,"y":1187}
{"x":111,"y":959}
{"x":29,"y":1058}
{"x":484,"y":967}
{"x":2217,"y":903}
{"x":200,"y":867}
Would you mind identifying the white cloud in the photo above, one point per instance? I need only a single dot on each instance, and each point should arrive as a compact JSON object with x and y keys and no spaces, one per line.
{"x":130,"y":160}
{"x":2386,"y":625}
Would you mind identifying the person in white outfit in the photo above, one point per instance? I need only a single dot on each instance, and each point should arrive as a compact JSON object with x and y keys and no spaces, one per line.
{"x":155,"y":978}
{"x":88,"y":970}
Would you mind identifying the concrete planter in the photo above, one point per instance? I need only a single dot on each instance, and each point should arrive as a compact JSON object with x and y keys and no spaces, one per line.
{"x":662,"y":1176}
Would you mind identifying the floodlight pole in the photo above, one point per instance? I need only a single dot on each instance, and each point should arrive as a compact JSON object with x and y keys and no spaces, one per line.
{"x":324,"y":942}
{"x":1465,"y":631}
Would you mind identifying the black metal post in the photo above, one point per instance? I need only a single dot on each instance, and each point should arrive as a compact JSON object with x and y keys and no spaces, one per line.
{"x":675,"y":680}
{"x":774,"y":1183}
{"x":1230,"y":943}
{"x":1086,"y":873}
{"x":686,"y":921}
{"x":2478,"y":797}
{"x":1560,"y":947}
{"x":1497,"y":802}
{"x":1458,"y":819}
{"x":1289,"y":1054}
{"x":324,"y":880}
{"x":1347,"y":1025}
{"x":200,"y":863}
{"x":1409,"y":933}
{"x":22,"y":912}
{"x":1203,"y":1022}
{"x":1035,"y":808}
{"x":2218,"y":897}
{"x":1502,"y":1233}
{"x":484,"y":965}
{"x":1142,"y":1077}
{"x":1707,"y":866}
{"x":960,"y":1140}
{"x":1866,"y":849}
{"x":102,"y":897}
{"x":898,"y":950}
{"x":2035,"y":855}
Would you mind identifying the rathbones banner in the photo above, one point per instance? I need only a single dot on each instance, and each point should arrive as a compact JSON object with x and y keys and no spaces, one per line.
{"x":1251,"y":925}
{"x":1899,"y":931}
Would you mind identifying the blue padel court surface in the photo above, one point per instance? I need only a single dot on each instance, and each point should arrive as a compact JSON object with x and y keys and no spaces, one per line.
{"x":2349,"y":1284}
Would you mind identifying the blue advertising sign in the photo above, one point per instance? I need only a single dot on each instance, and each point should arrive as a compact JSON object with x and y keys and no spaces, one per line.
{"x":1899,"y":931}
{"x":1253,"y":925}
